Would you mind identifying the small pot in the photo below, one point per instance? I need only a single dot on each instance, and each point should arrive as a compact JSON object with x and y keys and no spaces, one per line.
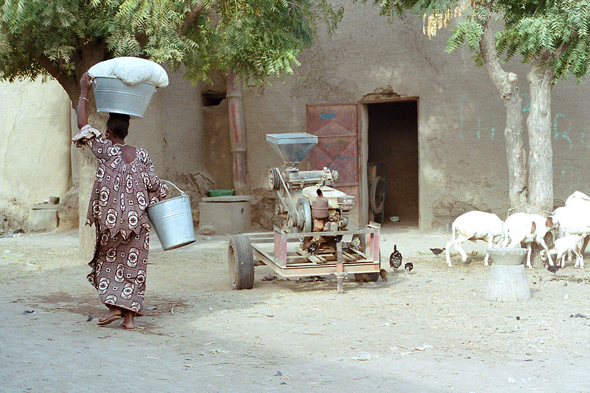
{"x":508,"y":256}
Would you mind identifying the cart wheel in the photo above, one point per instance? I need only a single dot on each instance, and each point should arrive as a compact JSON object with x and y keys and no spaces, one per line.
{"x":240,"y":262}
{"x":377,"y":195}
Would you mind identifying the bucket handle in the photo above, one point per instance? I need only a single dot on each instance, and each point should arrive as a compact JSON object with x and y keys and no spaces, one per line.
{"x":182,"y":193}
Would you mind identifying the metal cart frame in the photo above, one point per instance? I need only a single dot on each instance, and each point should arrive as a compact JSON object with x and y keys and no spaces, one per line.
{"x":249,"y":250}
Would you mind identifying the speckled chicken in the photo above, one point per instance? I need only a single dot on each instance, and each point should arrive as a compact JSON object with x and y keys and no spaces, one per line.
{"x":395,"y":259}
{"x":408,"y":267}
{"x":437,"y":251}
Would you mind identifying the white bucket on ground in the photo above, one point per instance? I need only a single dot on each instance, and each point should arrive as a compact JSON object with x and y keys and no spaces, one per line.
{"x":173,"y":221}
{"x":114,"y":95}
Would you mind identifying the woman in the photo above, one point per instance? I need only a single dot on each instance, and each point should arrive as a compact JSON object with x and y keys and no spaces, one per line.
{"x":125,"y":185}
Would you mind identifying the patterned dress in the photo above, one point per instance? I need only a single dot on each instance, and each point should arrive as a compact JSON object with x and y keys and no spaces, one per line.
{"x":120,"y":195}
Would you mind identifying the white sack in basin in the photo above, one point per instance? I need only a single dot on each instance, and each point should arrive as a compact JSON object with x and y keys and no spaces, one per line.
{"x":131,"y":70}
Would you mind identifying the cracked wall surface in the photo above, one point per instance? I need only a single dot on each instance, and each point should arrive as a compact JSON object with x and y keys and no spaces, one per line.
{"x":34,"y":146}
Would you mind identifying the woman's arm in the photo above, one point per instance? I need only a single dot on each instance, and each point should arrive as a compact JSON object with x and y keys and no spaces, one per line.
{"x":85,"y":86}
{"x":89,"y":136}
{"x":156,"y":188}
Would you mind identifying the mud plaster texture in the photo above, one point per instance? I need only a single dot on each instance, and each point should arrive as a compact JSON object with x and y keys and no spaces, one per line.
{"x":34,"y":148}
{"x":461,"y":119}
{"x":428,"y":331}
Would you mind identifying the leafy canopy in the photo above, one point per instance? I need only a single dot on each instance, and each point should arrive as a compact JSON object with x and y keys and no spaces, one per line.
{"x":255,"y":38}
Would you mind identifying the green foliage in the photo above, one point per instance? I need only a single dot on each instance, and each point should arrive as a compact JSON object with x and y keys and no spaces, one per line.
{"x":255,"y":38}
{"x":262,"y":37}
{"x":556,"y":32}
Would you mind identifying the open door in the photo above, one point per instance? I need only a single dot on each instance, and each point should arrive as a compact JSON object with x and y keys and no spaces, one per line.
{"x":393,"y":145}
{"x":337,"y":129}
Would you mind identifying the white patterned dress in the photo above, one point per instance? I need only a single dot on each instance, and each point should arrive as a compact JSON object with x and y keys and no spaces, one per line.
{"x":120,"y":195}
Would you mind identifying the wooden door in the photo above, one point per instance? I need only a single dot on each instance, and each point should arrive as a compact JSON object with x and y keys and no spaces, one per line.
{"x":338,"y":132}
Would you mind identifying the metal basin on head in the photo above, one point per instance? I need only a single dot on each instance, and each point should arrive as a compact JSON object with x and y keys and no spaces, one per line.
{"x":292,"y":147}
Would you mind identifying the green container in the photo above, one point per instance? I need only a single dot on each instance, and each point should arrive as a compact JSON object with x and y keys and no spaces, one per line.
{"x":216,"y":193}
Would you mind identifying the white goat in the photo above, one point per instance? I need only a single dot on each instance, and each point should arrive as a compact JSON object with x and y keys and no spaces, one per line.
{"x":474,"y":226}
{"x":527,"y":228}
{"x":574,"y":218}
{"x":564,"y":247}
{"x":578,"y":199}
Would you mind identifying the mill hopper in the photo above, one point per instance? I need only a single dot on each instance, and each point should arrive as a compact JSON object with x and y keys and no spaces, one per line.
{"x":292,"y":147}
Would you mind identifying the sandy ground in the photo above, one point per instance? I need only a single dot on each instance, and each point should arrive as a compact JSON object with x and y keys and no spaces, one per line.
{"x":429,"y":331}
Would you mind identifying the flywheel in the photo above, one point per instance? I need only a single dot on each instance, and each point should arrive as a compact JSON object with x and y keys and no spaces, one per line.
{"x":303,"y":209}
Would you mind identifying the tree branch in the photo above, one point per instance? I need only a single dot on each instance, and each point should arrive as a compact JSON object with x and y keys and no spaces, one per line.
{"x":190,"y":18}
{"x":68,"y":82}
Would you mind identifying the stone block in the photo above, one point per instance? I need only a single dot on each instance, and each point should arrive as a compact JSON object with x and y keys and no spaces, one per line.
{"x":227,"y":214}
{"x":43,"y":218}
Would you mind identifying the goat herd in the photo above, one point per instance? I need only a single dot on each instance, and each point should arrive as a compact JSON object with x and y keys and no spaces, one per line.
{"x":570,"y":226}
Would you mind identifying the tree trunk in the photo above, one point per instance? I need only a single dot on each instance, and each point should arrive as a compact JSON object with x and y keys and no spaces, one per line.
{"x":539,"y":128}
{"x":507,"y":85}
{"x":237,"y":129}
{"x":88,"y":55}
{"x":86,"y":169}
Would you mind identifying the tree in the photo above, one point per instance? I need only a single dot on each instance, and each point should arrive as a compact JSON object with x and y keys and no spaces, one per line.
{"x":552,"y":37}
{"x":63,"y":38}
{"x":252,"y":39}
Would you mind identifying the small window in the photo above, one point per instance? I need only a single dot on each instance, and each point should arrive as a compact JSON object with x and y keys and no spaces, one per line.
{"x":212,"y":99}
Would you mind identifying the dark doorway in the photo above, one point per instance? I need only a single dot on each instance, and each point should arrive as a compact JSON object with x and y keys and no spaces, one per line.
{"x":393,"y":148}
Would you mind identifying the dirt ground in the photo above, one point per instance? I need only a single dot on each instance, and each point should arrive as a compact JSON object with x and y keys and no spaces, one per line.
{"x":429,"y":331}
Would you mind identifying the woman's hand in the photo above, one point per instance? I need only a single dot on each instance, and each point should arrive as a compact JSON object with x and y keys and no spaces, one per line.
{"x":85,"y":84}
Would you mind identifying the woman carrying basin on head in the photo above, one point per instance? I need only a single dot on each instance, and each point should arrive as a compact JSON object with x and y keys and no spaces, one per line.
{"x":125,"y":185}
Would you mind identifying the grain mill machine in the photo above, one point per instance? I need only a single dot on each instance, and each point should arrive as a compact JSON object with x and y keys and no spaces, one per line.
{"x":305,"y":199}
{"x":313,"y":238}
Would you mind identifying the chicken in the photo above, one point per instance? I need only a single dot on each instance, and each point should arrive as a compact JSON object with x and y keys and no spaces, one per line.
{"x":383,"y":274}
{"x":553,"y":269}
{"x":408,"y":266}
{"x":395,"y":259}
{"x":437,"y":251}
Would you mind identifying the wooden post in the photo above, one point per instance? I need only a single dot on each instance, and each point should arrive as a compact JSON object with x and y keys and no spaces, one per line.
{"x":339,"y":268}
{"x":237,"y":129}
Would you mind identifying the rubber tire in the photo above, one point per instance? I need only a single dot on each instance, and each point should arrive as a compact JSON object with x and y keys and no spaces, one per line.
{"x":240,"y":262}
{"x":377,"y":206}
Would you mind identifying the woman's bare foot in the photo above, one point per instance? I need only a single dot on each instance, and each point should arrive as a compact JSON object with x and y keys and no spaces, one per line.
{"x":129,"y":321}
{"x":113,"y":314}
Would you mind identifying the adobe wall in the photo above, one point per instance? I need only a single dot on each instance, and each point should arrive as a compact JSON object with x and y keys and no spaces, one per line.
{"x":34,"y":146}
{"x":462,"y":163}
{"x":188,"y":144}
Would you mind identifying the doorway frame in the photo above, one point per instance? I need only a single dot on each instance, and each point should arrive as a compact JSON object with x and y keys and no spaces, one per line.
{"x":364,"y":152}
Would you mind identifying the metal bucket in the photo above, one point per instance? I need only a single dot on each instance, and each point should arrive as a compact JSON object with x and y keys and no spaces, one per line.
{"x":173,"y":221}
{"x":114,"y":95}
